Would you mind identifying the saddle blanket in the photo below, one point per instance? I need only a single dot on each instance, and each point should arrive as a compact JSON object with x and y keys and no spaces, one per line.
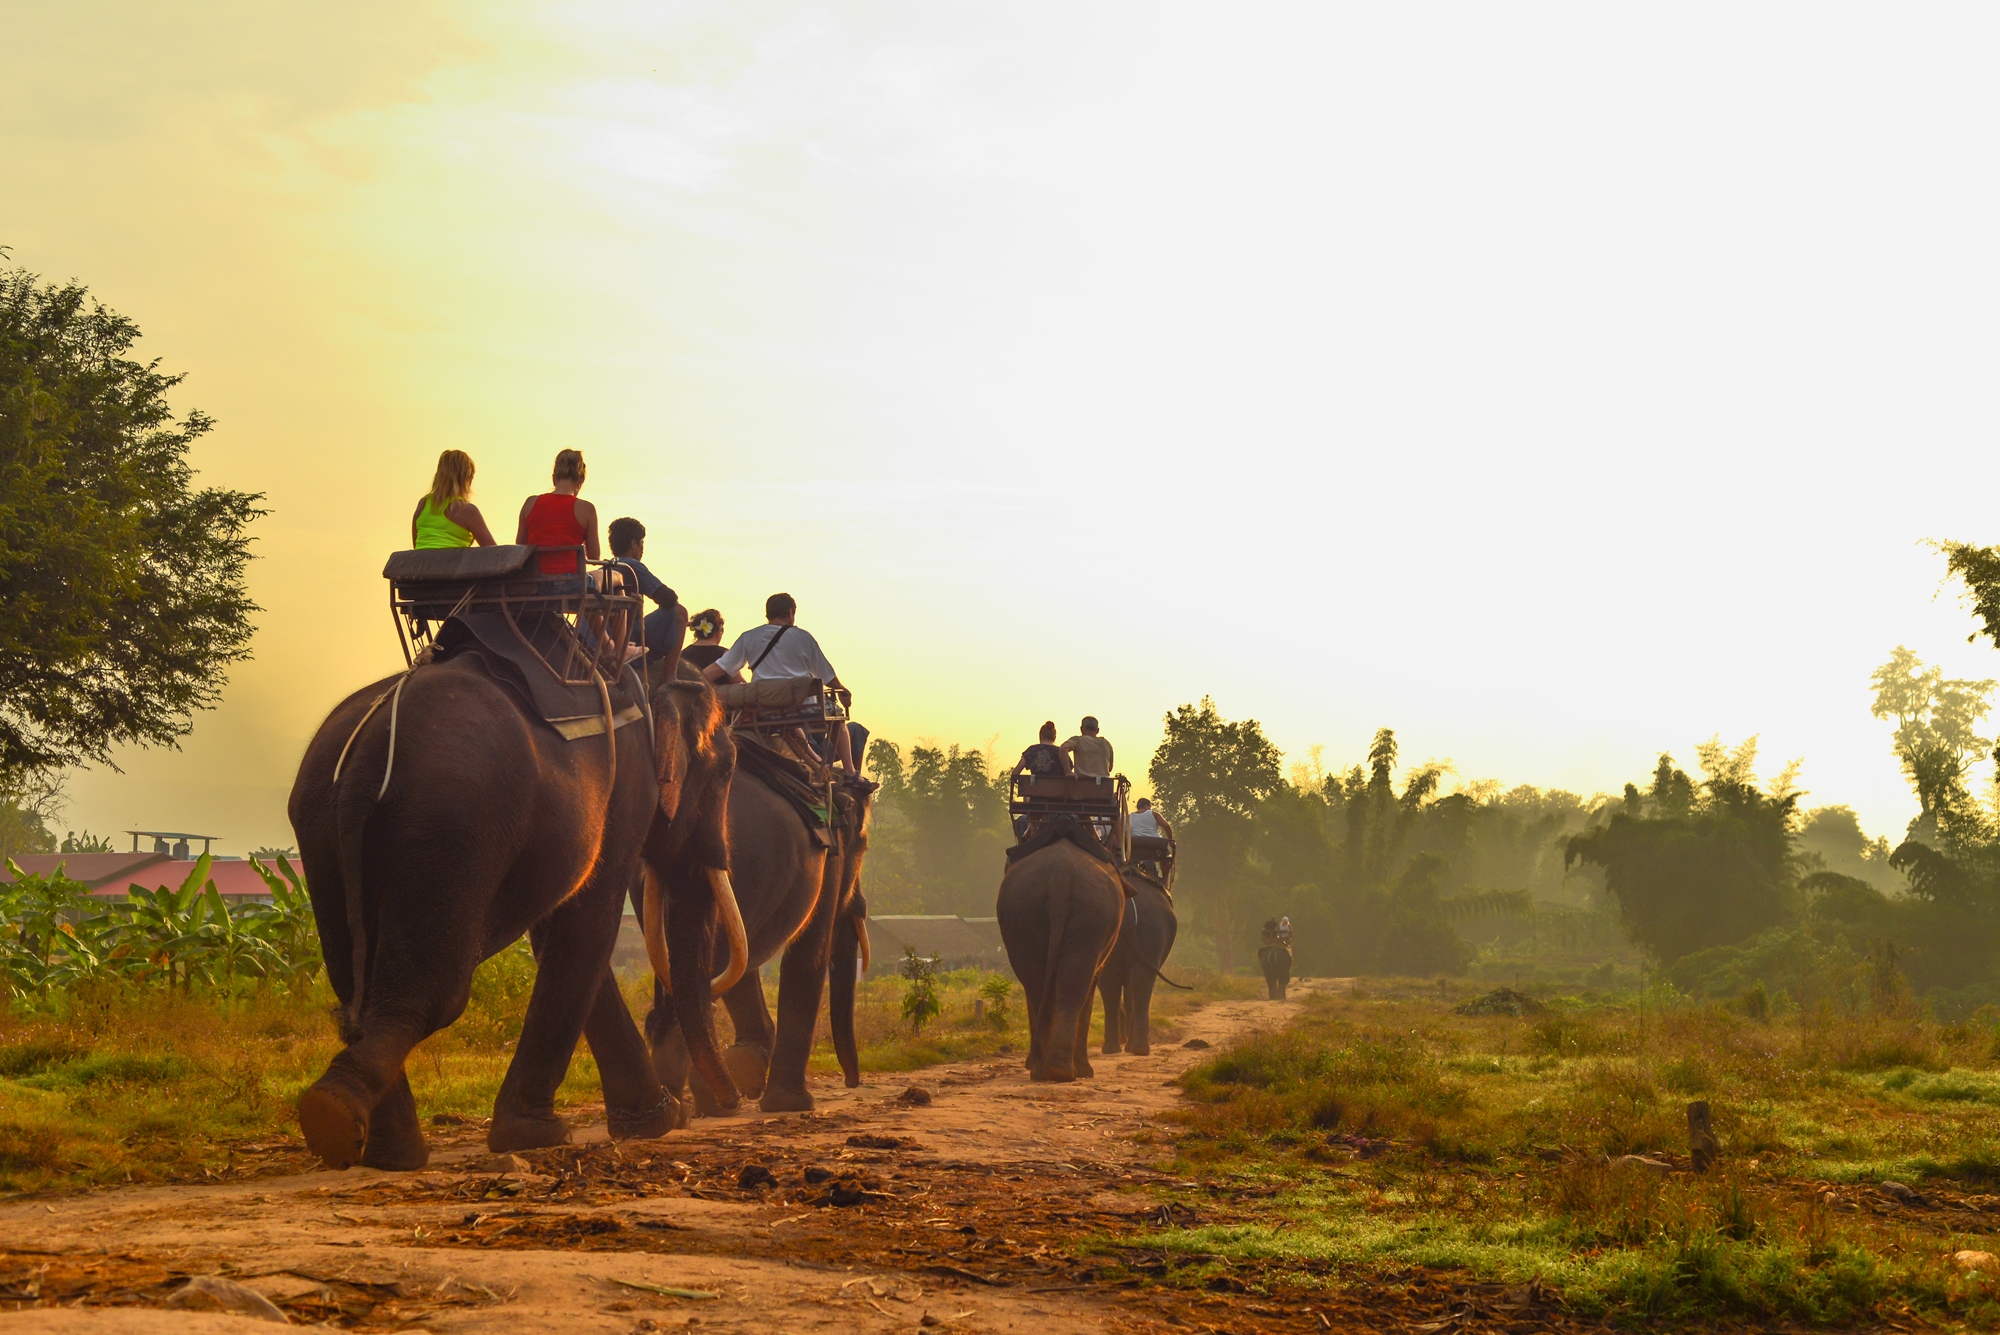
{"x":573,"y":711}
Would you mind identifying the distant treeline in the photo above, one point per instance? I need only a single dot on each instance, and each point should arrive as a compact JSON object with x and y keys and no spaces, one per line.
{"x":1378,"y":875}
{"x":1718,"y":881}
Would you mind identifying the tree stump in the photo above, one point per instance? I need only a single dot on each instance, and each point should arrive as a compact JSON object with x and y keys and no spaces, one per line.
{"x":1703,"y":1148}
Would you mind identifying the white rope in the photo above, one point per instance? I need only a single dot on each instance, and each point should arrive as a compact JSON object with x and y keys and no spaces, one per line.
{"x":395,"y":706}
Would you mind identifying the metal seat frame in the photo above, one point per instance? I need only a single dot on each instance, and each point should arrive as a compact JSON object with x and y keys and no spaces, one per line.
{"x":413,"y":606}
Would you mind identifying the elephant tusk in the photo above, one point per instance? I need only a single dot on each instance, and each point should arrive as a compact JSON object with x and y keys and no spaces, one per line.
{"x":861,"y":932}
{"x":732,"y":923}
{"x":656,"y":931}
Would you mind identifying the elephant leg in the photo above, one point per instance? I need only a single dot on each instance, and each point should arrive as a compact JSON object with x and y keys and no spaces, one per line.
{"x":408,"y":995}
{"x":1139,"y":1011}
{"x":1080,"y":1049}
{"x":801,"y":983}
{"x":572,"y":947}
{"x":1110,"y":991}
{"x":749,"y":1057}
{"x":1027,"y":950}
{"x":395,"y":1136}
{"x":635,"y":1105}
{"x":1065,"y":1046}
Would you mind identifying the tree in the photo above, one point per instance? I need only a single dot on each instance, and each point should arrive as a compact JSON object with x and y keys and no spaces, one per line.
{"x":28,"y":802}
{"x":125,"y":584}
{"x":1210,"y":776}
{"x":939,"y":833}
{"x":1934,"y":739}
{"x":1696,"y":866}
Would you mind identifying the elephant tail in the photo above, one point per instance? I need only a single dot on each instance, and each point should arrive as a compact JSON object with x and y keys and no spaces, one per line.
{"x":1058,"y":923}
{"x":352,"y":828}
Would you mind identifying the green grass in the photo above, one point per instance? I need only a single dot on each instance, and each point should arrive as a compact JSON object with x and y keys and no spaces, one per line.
{"x":120,"y":1083}
{"x":1390,"y":1133}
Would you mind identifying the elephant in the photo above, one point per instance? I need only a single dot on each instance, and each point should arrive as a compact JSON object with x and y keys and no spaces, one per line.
{"x":1060,"y":908}
{"x":487,"y":825}
{"x":1126,"y":982}
{"x":799,"y":899}
{"x":1276,"y":962}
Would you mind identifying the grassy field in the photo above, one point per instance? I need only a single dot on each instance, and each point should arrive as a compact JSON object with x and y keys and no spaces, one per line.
{"x":118,"y":1083}
{"x":1383,"y":1132}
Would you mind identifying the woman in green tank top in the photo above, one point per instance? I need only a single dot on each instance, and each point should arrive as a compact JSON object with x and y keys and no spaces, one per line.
{"x":446,"y":516}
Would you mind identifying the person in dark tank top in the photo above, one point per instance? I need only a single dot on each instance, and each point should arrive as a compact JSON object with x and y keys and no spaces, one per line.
{"x":706,"y":627}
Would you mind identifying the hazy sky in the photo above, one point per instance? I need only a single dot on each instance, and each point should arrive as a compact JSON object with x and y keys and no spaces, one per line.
{"x":1553,"y":383}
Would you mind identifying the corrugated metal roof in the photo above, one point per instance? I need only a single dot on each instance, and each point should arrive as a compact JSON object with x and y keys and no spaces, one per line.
{"x":93,"y":869}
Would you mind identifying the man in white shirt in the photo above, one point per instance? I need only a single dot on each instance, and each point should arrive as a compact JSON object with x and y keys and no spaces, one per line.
{"x":780,"y":648}
{"x":1146,"y":822}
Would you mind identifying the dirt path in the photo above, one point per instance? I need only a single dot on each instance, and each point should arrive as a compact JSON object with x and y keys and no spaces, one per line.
{"x":877,"y":1212}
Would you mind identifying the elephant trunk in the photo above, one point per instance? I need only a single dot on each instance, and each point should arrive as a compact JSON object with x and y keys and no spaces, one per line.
{"x":732,"y":924}
{"x":849,"y":933}
{"x":691,"y":951}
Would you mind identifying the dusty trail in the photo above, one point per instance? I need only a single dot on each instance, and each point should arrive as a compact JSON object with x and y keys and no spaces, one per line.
{"x":880,"y":1213}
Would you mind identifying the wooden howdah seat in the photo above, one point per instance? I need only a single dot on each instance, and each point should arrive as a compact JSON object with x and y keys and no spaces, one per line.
{"x":575,"y":628}
{"x":780,"y":704}
{"x":1038,"y":798}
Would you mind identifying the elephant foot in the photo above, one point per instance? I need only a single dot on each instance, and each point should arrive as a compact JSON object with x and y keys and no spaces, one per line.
{"x":1140,"y":1049}
{"x":646,"y":1123}
{"x":525,"y":1131}
{"x":395,"y":1136}
{"x":1111,"y":1050}
{"x":748,"y":1065}
{"x":335,"y":1123}
{"x":1083,"y":1071}
{"x":706,"y":1104}
{"x":1053,"y":1074}
{"x":785,"y":1100}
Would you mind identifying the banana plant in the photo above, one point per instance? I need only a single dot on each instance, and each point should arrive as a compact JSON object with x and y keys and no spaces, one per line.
{"x":287,"y":922}
{"x":40,"y":945}
{"x":164,"y":926}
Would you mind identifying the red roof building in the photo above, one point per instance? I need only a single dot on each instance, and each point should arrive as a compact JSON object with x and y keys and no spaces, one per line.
{"x":111,"y":874}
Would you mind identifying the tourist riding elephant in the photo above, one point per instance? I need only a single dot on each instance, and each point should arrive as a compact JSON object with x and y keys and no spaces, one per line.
{"x":1275,"y":959}
{"x":488,"y":824}
{"x":1126,"y":982}
{"x":1059,"y":909}
{"x":795,"y":895}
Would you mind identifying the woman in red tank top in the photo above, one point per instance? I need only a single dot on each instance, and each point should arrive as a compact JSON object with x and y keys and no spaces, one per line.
{"x":560,"y":518}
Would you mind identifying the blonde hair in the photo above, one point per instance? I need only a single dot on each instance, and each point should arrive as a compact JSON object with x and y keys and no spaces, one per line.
{"x":569,"y":467}
{"x":454,"y":478}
